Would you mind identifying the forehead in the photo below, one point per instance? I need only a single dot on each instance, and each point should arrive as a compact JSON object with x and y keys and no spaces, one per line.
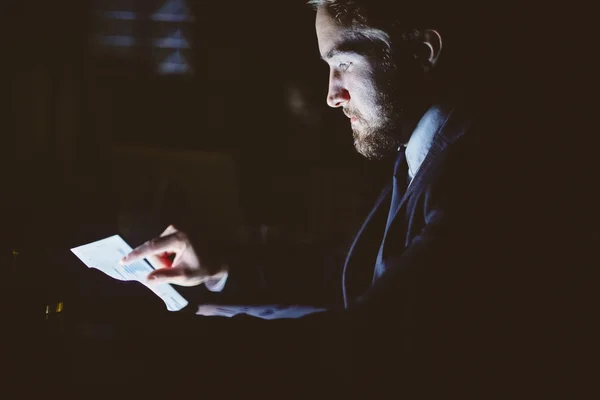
{"x":330,"y":33}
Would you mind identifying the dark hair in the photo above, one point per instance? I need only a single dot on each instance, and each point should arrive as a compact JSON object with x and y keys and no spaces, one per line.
{"x":398,"y":22}
{"x":395,"y":18}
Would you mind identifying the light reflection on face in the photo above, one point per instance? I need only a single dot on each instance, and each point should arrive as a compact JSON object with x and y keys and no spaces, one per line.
{"x":362,"y":85}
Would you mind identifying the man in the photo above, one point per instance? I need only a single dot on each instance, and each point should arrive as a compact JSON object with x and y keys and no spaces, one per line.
{"x":411,"y":283}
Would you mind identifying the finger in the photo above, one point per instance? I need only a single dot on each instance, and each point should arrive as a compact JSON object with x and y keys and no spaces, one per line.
{"x":163,"y":259}
{"x":160,"y":275}
{"x":169,"y":231}
{"x":177,"y":258}
{"x":172,"y":243}
{"x":179,"y":276}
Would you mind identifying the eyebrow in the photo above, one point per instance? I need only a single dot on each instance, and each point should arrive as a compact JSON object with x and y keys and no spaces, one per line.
{"x":336,"y":52}
{"x":349,"y":47}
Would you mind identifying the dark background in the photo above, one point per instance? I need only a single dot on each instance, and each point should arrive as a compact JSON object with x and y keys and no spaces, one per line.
{"x":69,"y":103}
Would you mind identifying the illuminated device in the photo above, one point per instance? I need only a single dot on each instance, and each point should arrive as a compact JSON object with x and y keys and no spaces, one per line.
{"x":105,"y":255}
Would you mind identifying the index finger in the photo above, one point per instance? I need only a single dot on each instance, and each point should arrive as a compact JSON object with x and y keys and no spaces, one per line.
{"x":172,"y":243}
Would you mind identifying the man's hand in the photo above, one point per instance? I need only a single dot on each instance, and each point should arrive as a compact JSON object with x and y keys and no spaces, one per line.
{"x":187,"y":268}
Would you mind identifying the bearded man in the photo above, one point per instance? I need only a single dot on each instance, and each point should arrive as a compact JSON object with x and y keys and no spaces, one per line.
{"x":414,"y":280}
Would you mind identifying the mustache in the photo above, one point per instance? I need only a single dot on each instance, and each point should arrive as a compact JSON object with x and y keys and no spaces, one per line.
{"x":351,"y":113}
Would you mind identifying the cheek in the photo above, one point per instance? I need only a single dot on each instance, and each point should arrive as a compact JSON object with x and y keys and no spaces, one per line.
{"x":365,"y":97}
{"x":358,"y":81}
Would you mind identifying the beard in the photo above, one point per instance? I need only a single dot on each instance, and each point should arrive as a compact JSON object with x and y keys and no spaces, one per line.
{"x":396,"y":90}
{"x":379,"y":138}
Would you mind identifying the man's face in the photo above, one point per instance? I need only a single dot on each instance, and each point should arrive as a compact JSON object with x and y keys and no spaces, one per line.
{"x":363,"y":83}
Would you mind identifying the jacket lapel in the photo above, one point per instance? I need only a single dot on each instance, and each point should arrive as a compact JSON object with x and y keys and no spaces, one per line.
{"x":353,"y":281}
{"x":451,"y":125}
{"x":437,"y":145}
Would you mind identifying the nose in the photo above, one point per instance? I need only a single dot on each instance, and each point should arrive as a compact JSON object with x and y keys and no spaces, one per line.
{"x":337,"y":95}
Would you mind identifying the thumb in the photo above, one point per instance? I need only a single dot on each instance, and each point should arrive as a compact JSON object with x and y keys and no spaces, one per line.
{"x":166,"y":274}
{"x":179,"y":275}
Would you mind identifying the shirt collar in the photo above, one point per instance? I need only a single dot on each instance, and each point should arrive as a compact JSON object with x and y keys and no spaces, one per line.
{"x":420,"y":140}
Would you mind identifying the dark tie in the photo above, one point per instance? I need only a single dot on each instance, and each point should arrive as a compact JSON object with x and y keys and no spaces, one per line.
{"x":400,"y":183}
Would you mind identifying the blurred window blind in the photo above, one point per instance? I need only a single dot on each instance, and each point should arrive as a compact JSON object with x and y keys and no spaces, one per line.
{"x":152,"y":34}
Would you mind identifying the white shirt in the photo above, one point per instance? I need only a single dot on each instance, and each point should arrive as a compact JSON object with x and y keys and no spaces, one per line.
{"x":421,"y":139}
{"x":416,"y":150}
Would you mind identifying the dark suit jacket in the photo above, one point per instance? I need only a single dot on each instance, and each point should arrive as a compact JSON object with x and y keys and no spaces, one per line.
{"x":418,"y":209}
{"x":427,"y":312}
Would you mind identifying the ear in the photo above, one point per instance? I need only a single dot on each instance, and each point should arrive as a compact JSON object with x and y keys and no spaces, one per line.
{"x":433,"y":42}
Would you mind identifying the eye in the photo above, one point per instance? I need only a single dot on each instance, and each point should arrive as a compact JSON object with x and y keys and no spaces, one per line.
{"x":344,"y":65}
